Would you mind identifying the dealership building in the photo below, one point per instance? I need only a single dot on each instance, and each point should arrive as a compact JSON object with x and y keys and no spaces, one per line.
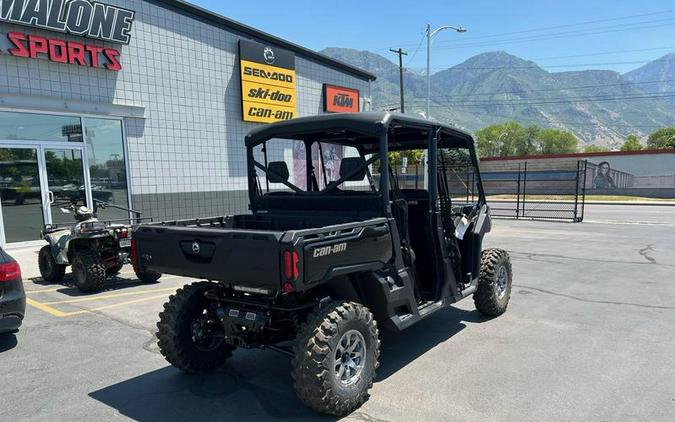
{"x":143,"y":104}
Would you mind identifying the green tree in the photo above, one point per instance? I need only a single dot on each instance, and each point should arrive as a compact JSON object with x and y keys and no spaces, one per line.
{"x":662,"y":139}
{"x":595,"y":148}
{"x":556,"y":141}
{"x":632,"y":143}
{"x":507,"y":139}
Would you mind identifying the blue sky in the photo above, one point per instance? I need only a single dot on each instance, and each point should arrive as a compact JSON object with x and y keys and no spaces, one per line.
{"x":597,"y":34}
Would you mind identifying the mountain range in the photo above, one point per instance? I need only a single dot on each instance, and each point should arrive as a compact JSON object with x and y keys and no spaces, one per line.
{"x":600,"y":107}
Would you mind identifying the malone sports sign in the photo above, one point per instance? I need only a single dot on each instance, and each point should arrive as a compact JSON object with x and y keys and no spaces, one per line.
{"x":82,"y":18}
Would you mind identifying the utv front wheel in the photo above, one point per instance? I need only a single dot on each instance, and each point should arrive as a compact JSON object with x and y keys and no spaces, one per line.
{"x":189,"y":334}
{"x":88,"y":271}
{"x":50,"y":271}
{"x":494,"y":284}
{"x":336,"y":355}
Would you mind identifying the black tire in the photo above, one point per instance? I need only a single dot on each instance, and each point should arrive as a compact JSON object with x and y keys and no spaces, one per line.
{"x":50,"y":271}
{"x":314,"y":365}
{"x":494,"y":285}
{"x":148,"y":276}
{"x":176,"y":334}
{"x":88,"y":271}
{"x":114,"y":270}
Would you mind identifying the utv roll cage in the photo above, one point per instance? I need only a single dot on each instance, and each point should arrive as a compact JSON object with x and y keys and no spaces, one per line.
{"x":371,"y":133}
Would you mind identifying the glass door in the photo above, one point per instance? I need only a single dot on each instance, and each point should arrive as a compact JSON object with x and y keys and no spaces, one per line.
{"x":21,"y":194}
{"x":66,"y":182}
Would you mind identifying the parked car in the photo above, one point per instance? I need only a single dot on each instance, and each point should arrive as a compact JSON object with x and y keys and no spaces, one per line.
{"x":12,"y":295}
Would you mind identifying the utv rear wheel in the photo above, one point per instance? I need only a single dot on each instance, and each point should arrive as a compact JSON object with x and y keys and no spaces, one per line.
{"x":50,"y":271}
{"x":88,"y":271}
{"x":336,"y":355}
{"x":148,"y":276}
{"x":494,"y":284}
{"x":115,"y":269}
{"x":189,"y":334}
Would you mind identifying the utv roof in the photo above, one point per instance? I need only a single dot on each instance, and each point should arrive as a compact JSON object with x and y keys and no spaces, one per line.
{"x":360,"y":129}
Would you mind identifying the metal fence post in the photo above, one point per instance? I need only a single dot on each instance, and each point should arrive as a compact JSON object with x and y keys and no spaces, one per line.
{"x":524,"y":188}
{"x":518,"y":194}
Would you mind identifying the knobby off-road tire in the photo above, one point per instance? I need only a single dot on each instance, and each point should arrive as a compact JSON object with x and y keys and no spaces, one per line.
{"x":50,"y":271}
{"x":494,"y":284}
{"x":114,"y":270}
{"x":316,"y":367}
{"x":176,"y":332}
{"x":147,"y":276}
{"x":88,"y":271}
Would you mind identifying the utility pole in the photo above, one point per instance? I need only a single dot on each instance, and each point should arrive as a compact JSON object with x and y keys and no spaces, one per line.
{"x":400,"y":53}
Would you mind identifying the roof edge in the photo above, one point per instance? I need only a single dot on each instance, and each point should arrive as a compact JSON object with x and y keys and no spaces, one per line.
{"x":216,"y":19}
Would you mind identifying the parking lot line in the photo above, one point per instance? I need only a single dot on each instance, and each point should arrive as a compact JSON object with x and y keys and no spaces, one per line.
{"x":53,"y":289}
{"x":109,"y":296}
{"x":45,"y":308}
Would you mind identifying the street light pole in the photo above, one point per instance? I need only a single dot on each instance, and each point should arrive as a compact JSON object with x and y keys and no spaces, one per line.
{"x":430,"y":34}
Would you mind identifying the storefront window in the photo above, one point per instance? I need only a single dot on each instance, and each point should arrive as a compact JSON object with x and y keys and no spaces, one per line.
{"x":39,"y":127}
{"x":107,"y":166}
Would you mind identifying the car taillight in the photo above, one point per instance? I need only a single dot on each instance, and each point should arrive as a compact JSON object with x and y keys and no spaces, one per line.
{"x":291,"y":271}
{"x":10,"y":271}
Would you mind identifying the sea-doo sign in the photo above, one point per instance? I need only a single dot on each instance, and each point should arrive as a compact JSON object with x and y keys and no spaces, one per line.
{"x":267,"y":83}
{"x":77,"y":17}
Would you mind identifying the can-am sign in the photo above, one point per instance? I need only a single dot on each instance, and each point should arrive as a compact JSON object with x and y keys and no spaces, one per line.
{"x":77,"y":17}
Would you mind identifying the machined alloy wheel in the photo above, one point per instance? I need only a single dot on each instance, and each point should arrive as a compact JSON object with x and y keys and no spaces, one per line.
{"x":350,"y":357}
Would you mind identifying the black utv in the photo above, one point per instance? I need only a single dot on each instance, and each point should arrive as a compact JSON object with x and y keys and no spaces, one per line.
{"x":338,"y":245}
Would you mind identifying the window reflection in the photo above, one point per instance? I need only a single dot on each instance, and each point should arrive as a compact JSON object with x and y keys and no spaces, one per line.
{"x":106,"y":166}
{"x":40,"y":127}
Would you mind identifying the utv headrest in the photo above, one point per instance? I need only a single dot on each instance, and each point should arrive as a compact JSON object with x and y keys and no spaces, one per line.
{"x":277,"y":172}
{"x":350,"y":165}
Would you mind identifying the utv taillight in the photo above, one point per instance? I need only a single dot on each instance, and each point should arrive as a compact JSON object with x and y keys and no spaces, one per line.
{"x":10,"y":271}
{"x":291,"y":271}
{"x":122,"y":234}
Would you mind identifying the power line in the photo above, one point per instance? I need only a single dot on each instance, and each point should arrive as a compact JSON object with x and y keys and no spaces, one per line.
{"x":668,"y":94}
{"x":460,"y":67}
{"x":541,"y":29}
{"x":562,"y":88}
{"x":568,"y":34}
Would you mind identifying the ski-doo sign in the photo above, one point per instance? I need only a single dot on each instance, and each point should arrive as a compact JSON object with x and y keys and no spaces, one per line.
{"x":77,"y":17}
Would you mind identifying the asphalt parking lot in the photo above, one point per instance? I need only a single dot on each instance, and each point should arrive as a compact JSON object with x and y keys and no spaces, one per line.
{"x":588,"y":336}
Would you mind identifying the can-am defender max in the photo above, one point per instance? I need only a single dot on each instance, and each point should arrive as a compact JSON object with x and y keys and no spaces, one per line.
{"x":94,"y":248}
{"x":333,"y":250}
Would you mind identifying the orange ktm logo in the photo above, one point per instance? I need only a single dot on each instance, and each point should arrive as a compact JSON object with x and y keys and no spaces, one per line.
{"x":338,"y":99}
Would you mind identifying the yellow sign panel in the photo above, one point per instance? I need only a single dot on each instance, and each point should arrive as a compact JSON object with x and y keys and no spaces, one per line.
{"x":266,"y":113}
{"x":266,"y":74}
{"x":268,"y":94}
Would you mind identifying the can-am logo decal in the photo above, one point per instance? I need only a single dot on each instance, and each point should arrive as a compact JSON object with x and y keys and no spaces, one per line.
{"x":77,"y":17}
{"x":338,"y":99}
{"x":328,"y":250}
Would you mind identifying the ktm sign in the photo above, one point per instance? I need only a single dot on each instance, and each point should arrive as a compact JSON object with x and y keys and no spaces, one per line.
{"x":337,"y":99}
{"x":267,"y":83}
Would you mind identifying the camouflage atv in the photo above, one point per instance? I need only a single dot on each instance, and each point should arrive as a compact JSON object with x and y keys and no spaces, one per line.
{"x":94,"y":249}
